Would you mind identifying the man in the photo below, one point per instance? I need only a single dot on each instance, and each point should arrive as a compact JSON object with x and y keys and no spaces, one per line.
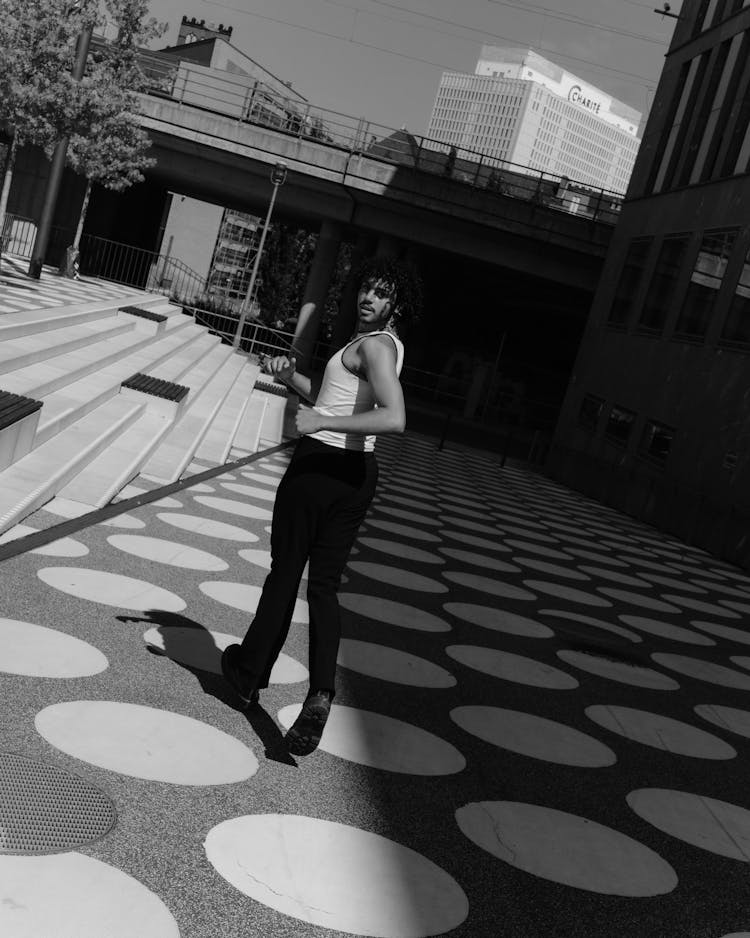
{"x":326,"y":491}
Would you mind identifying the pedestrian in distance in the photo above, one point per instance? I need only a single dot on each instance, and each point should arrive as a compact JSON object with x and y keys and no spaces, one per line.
{"x":326,"y":491}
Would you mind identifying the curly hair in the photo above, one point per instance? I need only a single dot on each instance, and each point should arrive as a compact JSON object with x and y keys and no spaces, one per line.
{"x":405,"y":283}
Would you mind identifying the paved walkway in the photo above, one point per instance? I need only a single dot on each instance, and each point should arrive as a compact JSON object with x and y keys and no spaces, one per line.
{"x":541,"y":726}
{"x":18,"y":292}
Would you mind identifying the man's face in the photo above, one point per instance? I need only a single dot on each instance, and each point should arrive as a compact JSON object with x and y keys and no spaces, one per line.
{"x":375,"y":303}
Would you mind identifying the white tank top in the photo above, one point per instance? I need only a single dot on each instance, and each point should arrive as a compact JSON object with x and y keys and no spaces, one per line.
{"x":342,"y":393}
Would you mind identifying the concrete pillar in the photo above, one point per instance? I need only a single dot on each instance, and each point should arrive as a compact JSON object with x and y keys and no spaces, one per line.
{"x":478,"y":380}
{"x":316,"y":290}
{"x":346,"y":320}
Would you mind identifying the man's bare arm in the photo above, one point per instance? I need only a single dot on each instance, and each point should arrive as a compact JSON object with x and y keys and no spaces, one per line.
{"x":378,"y":361}
{"x":285,"y":369}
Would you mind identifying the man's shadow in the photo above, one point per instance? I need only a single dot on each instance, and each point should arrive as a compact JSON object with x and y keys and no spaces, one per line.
{"x":190,"y":645}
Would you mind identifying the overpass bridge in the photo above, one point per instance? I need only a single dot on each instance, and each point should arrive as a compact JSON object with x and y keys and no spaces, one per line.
{"x":215,"y":136}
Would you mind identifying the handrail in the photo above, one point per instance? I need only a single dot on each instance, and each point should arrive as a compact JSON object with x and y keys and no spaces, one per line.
{"x":253,"y":102}
{"x":126,"y":263}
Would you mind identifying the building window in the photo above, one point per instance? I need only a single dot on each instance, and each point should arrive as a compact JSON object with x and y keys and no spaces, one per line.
{"x":661,"y":289}
{"x":706,"y":116}
{"x":630,"y":279}
{"x":727,"y":96}
{"x":709,"y":12}
{"x":656,"y":441}
{"x":705,"y":283}
{"x":691,"y":81}
{"x":590,"y":411}
{"x":619,"y":425}
{"x":737,"y":325}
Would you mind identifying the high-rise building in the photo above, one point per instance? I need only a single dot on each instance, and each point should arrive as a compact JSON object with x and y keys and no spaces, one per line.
{"x":656,"y":415}
{"x":519,"y":108}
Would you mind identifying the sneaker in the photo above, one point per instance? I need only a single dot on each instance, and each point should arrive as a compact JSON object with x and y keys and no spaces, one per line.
{"x":304,"y":734}
{"x":235,"y":677}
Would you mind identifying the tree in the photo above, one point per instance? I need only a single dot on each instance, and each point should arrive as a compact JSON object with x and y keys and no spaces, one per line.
{"x":113,"y":156}
{"x":283,"y":271}
{"x":111,"y":149}
{"x":39,"y":100}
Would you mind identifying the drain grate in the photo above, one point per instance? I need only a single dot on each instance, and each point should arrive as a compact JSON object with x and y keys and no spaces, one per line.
{"x":44,"y":809}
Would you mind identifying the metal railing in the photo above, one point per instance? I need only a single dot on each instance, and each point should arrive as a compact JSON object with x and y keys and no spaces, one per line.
{"x":503,"y":401}
{"x":257,"y":339}
{"x":17,"y":236}
{"x":251,"y":101}
{"x":111,"y":260}
{"x":137,"y":267}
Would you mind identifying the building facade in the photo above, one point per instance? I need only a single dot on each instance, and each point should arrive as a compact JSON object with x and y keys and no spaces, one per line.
{"x":656,"y":418}
{"x":520,"y":108}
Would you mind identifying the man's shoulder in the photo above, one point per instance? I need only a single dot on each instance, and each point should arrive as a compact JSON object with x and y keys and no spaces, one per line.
{"x":377,"y":341}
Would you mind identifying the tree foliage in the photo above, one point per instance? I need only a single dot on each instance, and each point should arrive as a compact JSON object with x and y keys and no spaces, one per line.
{"x":39,"y":99}
{"x":114,"y":155}
{"x":287,"y":255}
{"x":41,"y":102}
{"x":110,"y":149}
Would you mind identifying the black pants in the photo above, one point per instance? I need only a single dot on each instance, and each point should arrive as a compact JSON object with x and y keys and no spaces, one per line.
{"x":320,"y":504}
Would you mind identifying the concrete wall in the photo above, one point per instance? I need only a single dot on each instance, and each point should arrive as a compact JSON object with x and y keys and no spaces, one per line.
{"x":698,"y":388}
{"x":190,"y":232}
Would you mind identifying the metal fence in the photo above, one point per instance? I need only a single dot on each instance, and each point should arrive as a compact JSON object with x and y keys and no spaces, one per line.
{"x":147,"y":270}
{"x":249,"y":100}
{"x":17,"y":236}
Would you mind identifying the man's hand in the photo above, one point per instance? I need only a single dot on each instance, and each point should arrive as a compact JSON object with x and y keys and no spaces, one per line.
{"x":307,"y":420}
{"x":280,"y":367}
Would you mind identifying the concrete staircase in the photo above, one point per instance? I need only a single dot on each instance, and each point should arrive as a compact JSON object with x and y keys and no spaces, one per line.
{"x":92,"y":436}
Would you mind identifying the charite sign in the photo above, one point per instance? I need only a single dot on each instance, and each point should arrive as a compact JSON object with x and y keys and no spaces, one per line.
{"x":576,"y":96}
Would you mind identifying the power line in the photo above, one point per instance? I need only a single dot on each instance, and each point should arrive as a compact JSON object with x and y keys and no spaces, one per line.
{"x":413,"y":58}
{"x":486,"y":33}
{"x":539,"y":11}
{"x":577,"y":20}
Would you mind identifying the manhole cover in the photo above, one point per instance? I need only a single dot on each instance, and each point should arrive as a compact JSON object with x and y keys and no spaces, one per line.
{"x":44,"y":809}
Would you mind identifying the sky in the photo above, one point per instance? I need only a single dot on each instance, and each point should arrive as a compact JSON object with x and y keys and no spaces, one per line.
{"x":382,"y":59}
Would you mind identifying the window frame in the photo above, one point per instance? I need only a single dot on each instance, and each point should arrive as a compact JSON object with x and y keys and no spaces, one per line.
{"x":644,"y":452}
{"x":656,"y":326}
{"x":615,"y":439}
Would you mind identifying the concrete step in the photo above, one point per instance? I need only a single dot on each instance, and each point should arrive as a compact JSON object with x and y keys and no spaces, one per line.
{"x":217,"y":442}
{"x":175,"y":453}
{"x":37,"y":347}
{"x":247,"y":437}
{"x":35,"y":479}
{"x":13,"y":325}
{"x":120,"y":462}
{"x":278,"y":418}
{"x":64,"y":407}
{"x":177,"y":367}
{"x":41,"y":379}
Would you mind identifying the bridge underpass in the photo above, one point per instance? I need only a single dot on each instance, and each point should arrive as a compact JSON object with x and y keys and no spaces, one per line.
{"x":494,"y":265}
{"x":225,"y":161}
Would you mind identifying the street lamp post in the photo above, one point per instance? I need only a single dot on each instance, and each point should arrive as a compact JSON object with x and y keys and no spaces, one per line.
{"x":278,"y":176}
{"x":57,"y":168}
